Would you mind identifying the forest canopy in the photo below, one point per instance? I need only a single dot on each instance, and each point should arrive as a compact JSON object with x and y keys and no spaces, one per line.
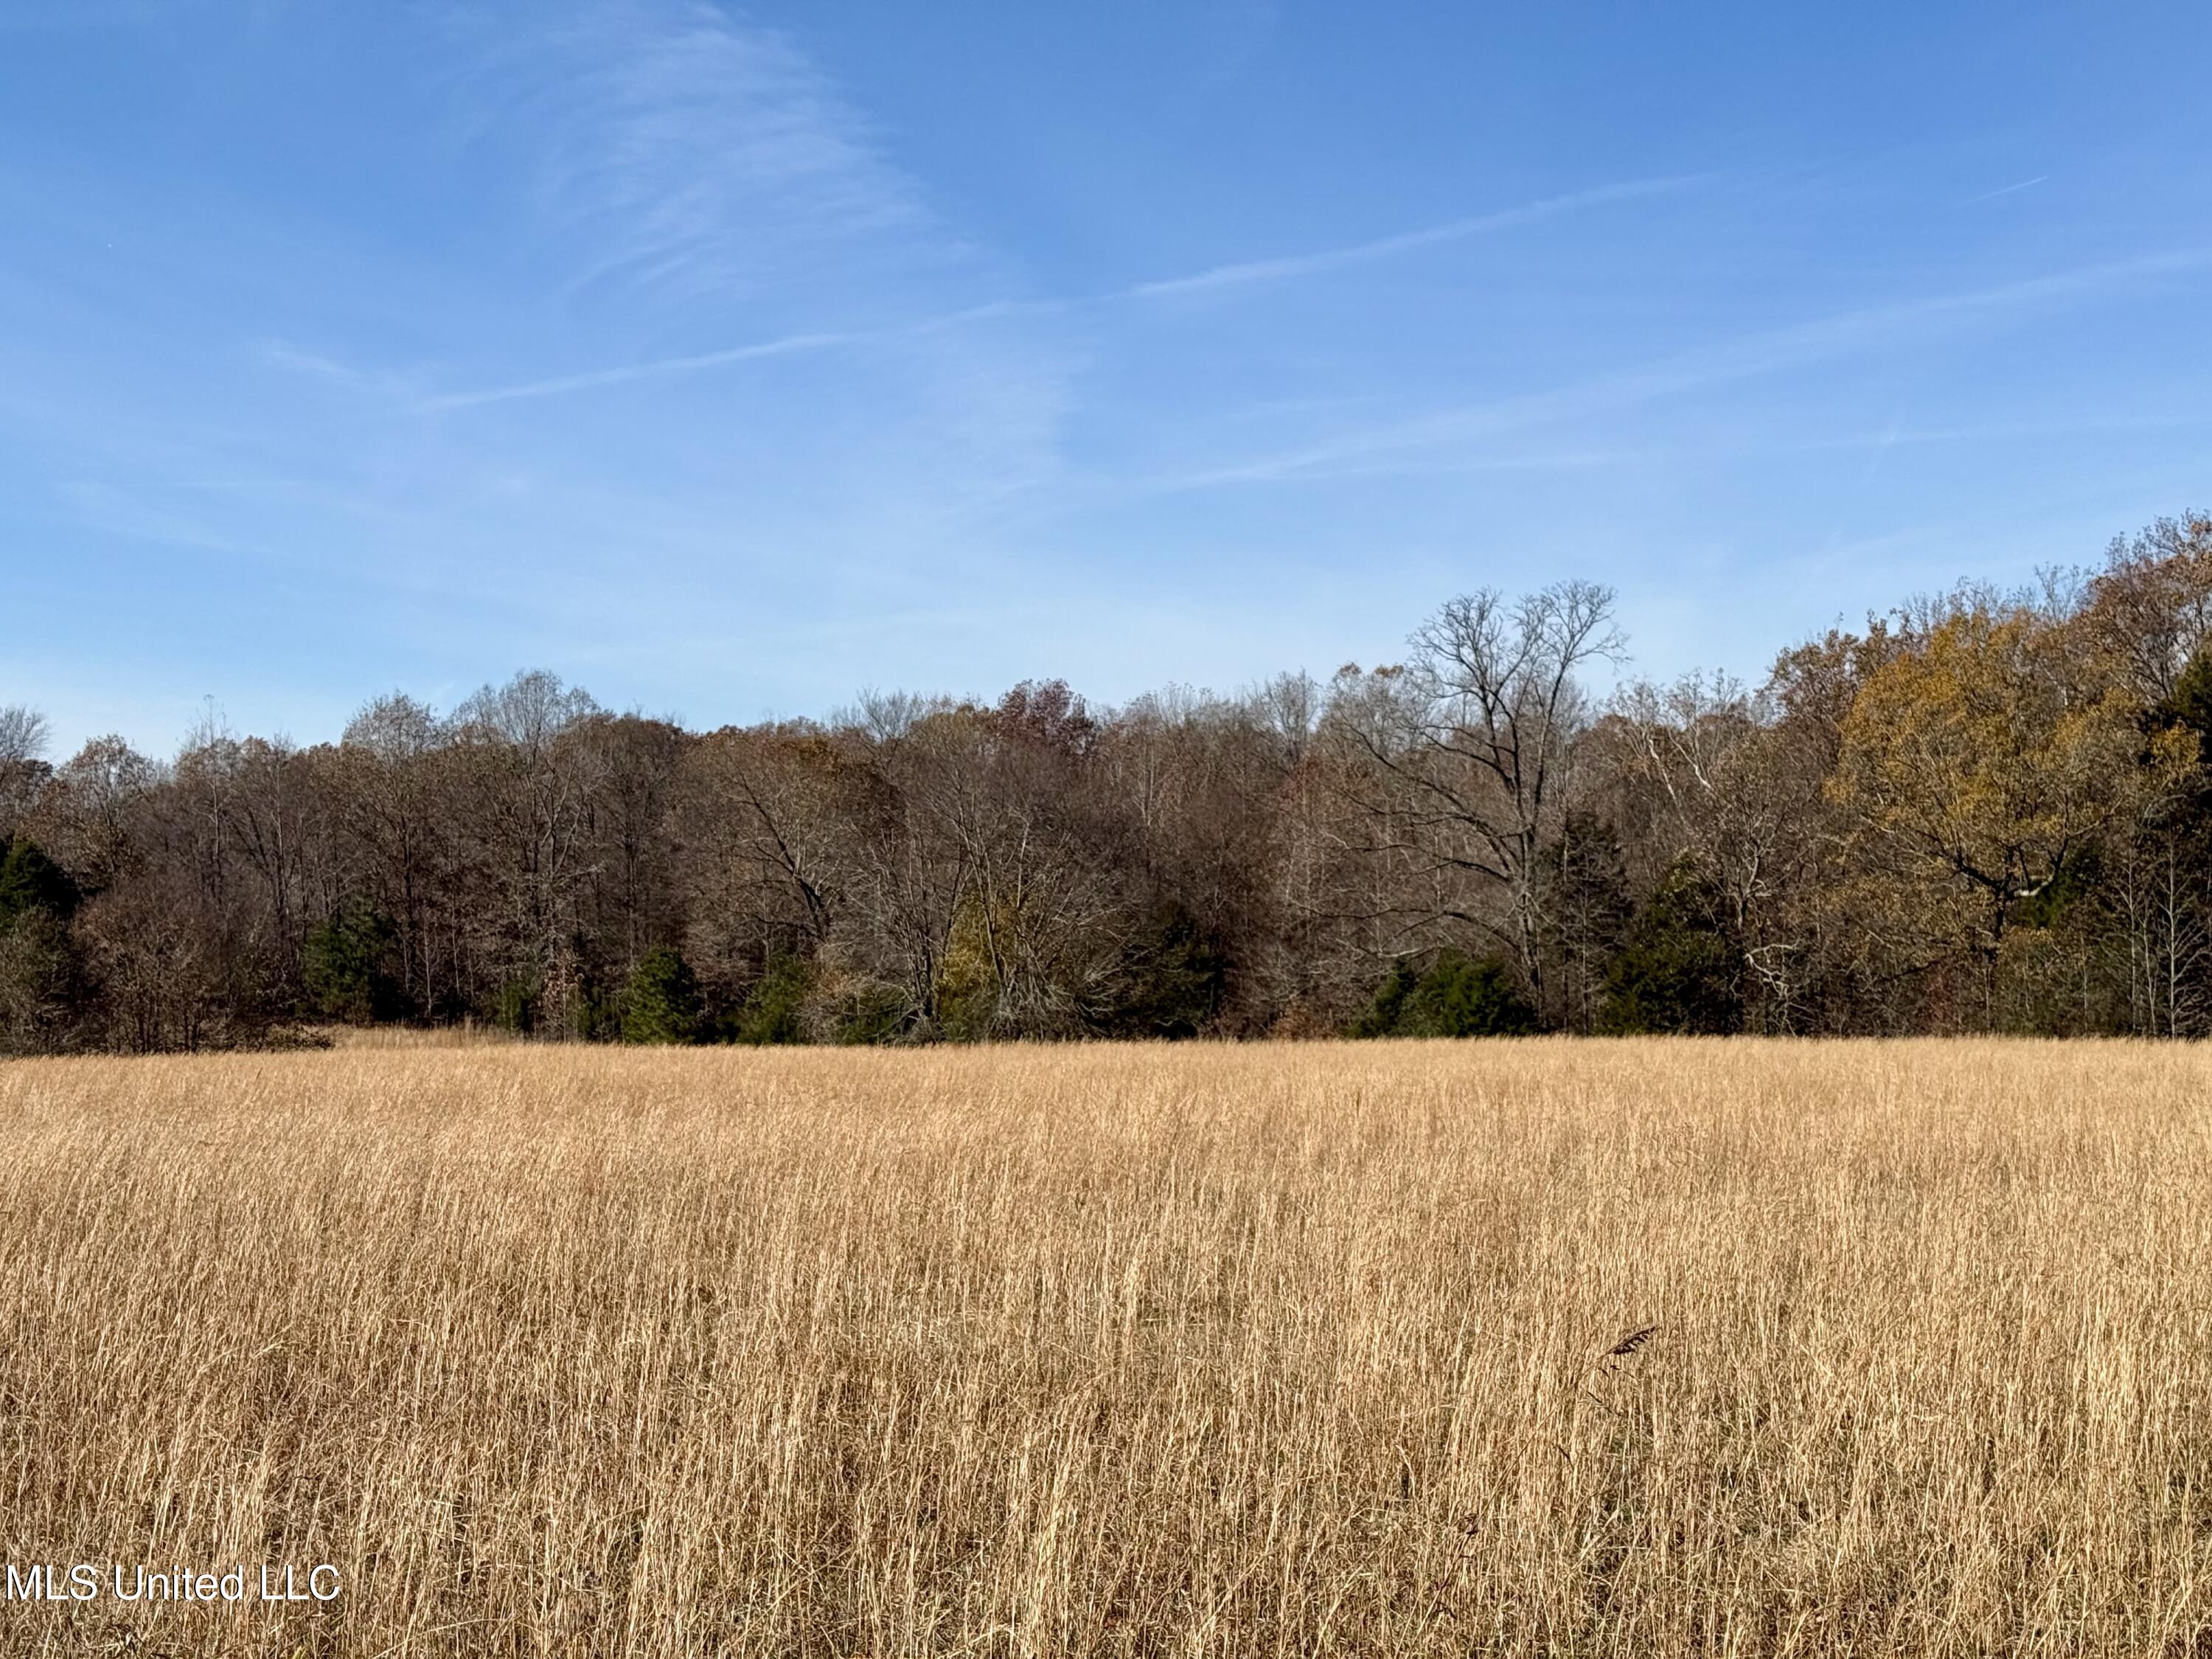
{"x":1985,"y":811}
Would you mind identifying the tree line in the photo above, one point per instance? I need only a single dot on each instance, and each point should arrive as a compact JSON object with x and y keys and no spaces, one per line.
{"x":1985,"y":811}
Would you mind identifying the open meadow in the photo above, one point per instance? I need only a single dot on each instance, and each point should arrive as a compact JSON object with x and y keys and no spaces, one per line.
{"x":1198,"y":1349}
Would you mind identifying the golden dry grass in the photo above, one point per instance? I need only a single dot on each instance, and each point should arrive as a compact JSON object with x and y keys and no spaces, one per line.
{"x":467,"y":1035}
{"x":1278,"y":1350}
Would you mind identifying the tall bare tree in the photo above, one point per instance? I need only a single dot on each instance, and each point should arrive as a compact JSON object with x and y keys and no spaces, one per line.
{"x":1468,"y":751}
{"x":23,"y":768}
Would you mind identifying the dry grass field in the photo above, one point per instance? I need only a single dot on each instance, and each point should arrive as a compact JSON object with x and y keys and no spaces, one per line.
{"x":1197,"y":1350}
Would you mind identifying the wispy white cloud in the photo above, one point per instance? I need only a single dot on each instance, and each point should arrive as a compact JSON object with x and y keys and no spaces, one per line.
{"x":1247,"y":273}
{"x":687,"y":165}
{"x":1219,"y":280}
{"x":293,"y":359}
{"x":282,"y":354}
{"x":1878,"y":452}
{"x":787,"y":345}
{"x":117,"y":511}
{"x":2013,"y":431}
{"x":1992,"y":196}
{"x":790,"y":345}
{"x":688,"y":155}
{"x":1769,"y":352}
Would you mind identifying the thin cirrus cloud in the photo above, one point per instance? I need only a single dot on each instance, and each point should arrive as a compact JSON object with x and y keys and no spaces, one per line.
{"x":1220,"y":279}
{"x":1246,"y":273}
{"x":589,"y":380}
{"x":2025,"y":183}
{"x":1397,"y":446}
{"x":685,"y":158}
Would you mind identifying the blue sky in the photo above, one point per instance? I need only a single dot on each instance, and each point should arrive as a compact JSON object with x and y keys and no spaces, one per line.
{"x":729,"y":361}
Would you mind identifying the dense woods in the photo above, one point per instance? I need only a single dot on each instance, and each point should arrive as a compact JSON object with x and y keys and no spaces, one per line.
{"x":1986,"y":811}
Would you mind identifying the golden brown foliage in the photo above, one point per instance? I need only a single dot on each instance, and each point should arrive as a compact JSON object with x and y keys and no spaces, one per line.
{"x":1983,"y":766}
{"x":1641,"y":1347}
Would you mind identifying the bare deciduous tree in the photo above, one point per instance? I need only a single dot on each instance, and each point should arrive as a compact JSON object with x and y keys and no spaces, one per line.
{"x":22,"y":763}
{"x":1467,"y":750}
